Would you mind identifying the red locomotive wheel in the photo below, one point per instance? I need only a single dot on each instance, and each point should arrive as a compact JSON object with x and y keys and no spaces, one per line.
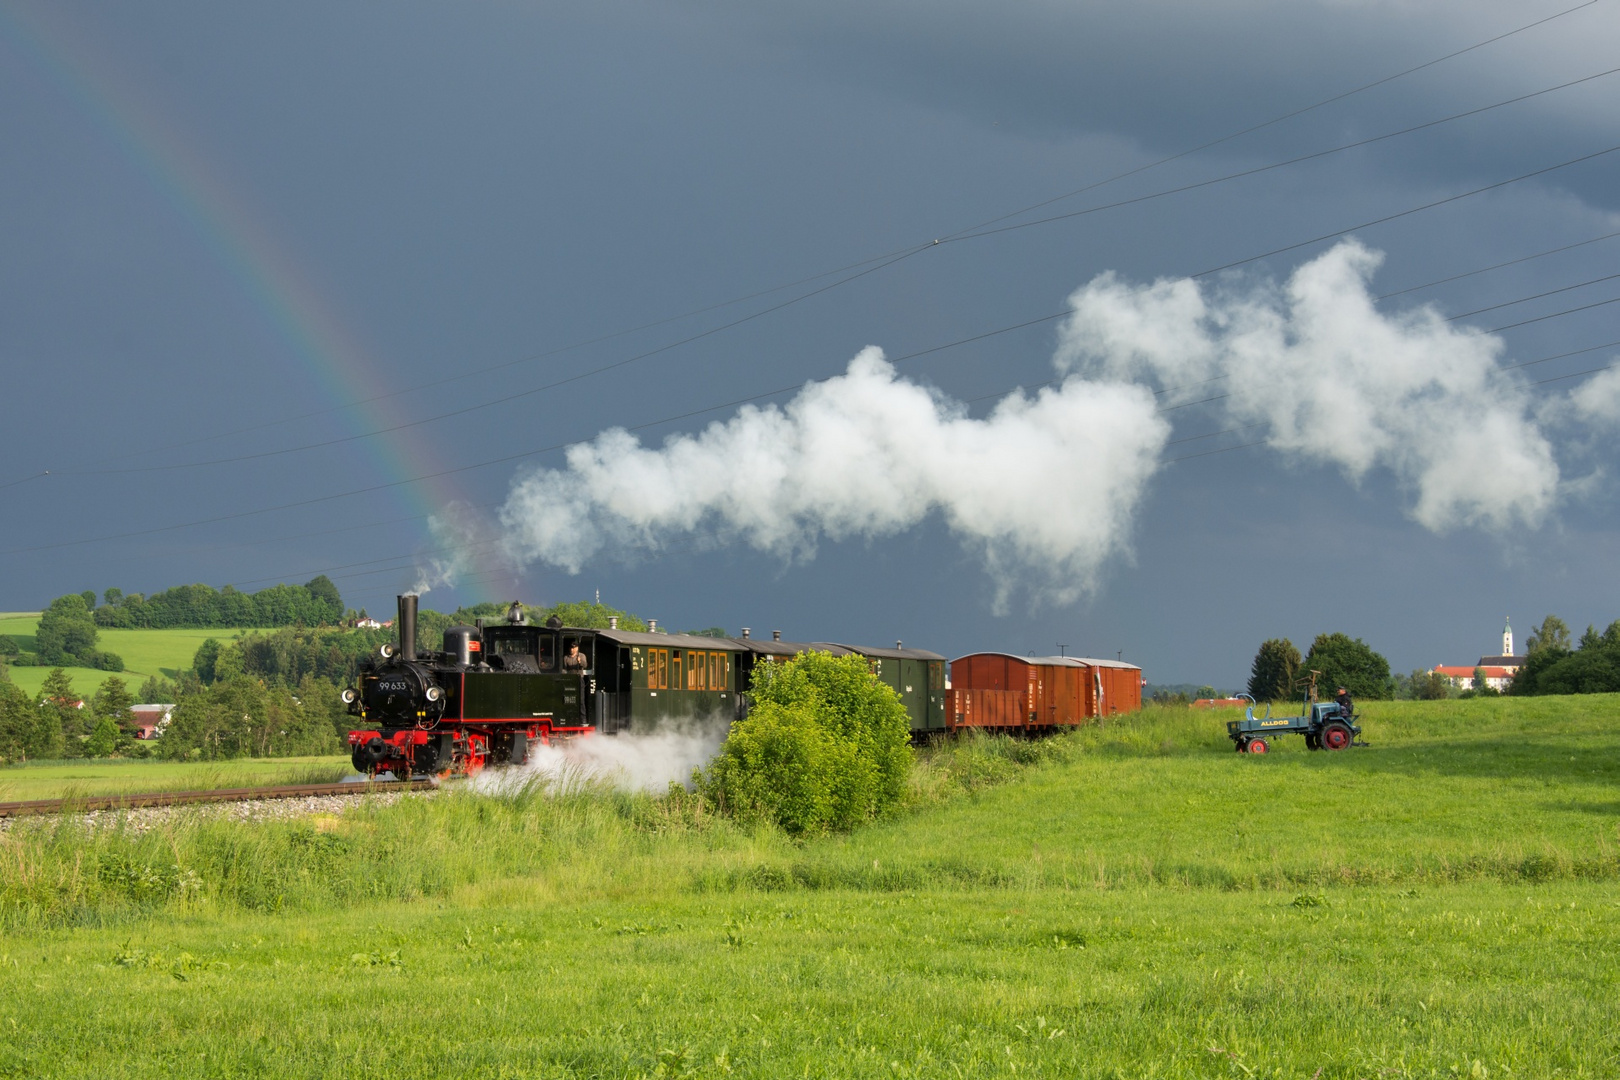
{"x":1336,"y":736}
{"x":1257,"y":746}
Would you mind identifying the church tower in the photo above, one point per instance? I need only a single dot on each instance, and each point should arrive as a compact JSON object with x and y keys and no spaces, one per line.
{"x":1507,"y":639}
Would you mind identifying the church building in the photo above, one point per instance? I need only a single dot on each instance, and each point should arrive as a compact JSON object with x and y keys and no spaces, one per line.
{"x":1499,"y":670}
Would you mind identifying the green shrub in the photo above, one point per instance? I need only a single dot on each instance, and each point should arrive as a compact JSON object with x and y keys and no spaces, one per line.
{"x":825,"y":746}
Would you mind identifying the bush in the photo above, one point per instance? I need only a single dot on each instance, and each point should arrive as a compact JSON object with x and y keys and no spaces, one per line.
{"x":825,"y":746}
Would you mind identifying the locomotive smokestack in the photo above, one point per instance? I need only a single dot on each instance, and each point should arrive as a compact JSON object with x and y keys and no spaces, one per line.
{"x":407,"y":626}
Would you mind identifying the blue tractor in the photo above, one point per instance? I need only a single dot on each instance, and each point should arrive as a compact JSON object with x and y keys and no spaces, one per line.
{"x":1323,"y":723}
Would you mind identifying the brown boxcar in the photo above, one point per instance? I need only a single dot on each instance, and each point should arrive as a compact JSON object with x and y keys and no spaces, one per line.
{"x":992,"y":689}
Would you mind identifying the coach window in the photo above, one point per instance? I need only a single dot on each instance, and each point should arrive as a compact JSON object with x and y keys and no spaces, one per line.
{"x":717,"y":671}
{"x":675,"y":669}
{"x":657,"y":669}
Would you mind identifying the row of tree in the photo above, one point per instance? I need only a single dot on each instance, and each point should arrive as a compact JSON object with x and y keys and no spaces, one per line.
{"x":315,"y":603}
{"x":1279,"y":673}
{"x":1553,"y":666}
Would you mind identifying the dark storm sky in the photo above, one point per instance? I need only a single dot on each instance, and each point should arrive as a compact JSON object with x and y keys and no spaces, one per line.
{"x":223,"y":226}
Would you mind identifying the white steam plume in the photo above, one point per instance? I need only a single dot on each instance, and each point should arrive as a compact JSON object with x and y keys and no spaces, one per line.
{"x":1044,"y":488}
{"x":1325,"y":377}
{"x":1597,"y":401}
{"x":630,"y":762}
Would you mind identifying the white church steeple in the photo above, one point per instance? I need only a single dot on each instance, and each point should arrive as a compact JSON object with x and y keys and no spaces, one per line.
{"x":1507,"y":639}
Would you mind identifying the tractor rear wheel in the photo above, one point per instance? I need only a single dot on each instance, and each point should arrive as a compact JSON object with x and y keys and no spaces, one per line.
{"x":1336,"y":736}
{"x":1257,"y":746}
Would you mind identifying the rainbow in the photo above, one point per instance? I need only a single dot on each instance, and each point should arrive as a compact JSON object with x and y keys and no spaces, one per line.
{"x":268,"y":275}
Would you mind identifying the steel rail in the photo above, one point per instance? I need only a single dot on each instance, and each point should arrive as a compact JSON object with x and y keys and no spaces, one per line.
{"x":179,"y":798}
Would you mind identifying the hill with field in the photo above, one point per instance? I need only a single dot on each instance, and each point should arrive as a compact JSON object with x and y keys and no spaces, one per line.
{"x":1132,"y":899}
{"x":163,"y":653}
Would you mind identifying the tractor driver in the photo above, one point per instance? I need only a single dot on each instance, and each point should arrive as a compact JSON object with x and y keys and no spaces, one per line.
{"x":576,"y":662}
{"x":1346,"y":706}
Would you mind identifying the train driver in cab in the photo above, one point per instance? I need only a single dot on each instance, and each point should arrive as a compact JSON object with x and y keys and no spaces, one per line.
{"x":575,"y":662}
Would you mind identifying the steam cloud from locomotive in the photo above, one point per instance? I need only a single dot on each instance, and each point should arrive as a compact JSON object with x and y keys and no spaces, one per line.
{"x":1046,"y":486}
{"x":631,"y":762}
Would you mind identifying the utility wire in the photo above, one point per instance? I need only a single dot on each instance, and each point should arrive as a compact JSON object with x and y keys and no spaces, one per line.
{"x":883,"y":261}
{"x":977,"y":337}
{"x":908,"y":253}
{"x":1274,"y":165}
{"x":1497,"y":266}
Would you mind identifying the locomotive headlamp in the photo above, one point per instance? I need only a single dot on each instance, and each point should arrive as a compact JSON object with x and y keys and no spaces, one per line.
{"x":386,"y":651}
{"x":434,"y":693}
{"x":348,"y":696}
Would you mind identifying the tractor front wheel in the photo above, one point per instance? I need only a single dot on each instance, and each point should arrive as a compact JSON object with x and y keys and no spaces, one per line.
{"x":1336,"y":736}
{"x":1256,"y":746}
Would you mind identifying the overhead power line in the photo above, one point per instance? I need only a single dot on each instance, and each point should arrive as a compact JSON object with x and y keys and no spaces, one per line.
{"x":885,"y":259}
{"x":508,"y":397}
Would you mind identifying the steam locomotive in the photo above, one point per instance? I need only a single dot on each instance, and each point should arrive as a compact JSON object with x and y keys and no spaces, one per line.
{"x":492,"y":692}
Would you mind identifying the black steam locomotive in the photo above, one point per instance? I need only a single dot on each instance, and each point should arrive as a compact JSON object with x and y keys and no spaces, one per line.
{"x":494,"y":691}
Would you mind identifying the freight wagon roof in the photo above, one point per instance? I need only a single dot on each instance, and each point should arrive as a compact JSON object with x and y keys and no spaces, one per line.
{"x":887,"y":654}
{"x":669,"y":641}
{"x":1054,"y":661}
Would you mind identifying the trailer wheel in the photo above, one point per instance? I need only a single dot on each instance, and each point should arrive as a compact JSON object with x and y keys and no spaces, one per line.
{"x":1313,"y":742}
{"x":1257,"y":746}
{"x":1336,"y":736}
{"x":1241,"y":745}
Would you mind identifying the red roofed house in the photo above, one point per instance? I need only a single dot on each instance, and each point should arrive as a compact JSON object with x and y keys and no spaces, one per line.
{"x":1499,"y":670}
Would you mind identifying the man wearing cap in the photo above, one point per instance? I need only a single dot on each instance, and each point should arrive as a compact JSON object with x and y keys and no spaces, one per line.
{"x":1346,"y":706}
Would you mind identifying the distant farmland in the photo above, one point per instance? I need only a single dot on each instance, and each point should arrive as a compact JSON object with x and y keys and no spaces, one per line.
{"x":145,"y":652}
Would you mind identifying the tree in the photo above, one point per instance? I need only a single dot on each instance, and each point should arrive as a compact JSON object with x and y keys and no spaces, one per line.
{"x":67,"y":633}
{"x":1348,"y":662}
{"x":1591,"y":639}
{"x":202,"y":662}
{"x":58,"y":705}
{"x":1275,"y":668}
{"x":1553,"y":633}
{"x":322,"y":589}
{"x":157,"y":691}
{"x":825,"y":745}
{"x":1482,"y":687}
{"x":1430,"y":686}
{"x":26,"y":730}
{"x":103,"y":739}
{"x":89,"y":598}
{"x":1206,"y":692}
{"x":112,"y":702}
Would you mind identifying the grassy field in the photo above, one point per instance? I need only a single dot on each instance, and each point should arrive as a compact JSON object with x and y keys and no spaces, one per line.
{"x":145,"y":653}
{"x":1128,"y":901}
{"x":105,"y":776}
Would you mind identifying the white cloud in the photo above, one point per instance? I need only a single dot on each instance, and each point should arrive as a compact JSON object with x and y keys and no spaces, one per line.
{"x":1044,"y":488}
{"x":1598,"y":399}
{"x":1328,"y":378}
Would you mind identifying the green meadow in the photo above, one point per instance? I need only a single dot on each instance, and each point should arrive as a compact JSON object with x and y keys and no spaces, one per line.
{"x":145,"y":653}
{"x":122,"y":776}
{"x":1130,"y":900}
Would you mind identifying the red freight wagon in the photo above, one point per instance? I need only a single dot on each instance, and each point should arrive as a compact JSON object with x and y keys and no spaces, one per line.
{"x":1000,"y":690}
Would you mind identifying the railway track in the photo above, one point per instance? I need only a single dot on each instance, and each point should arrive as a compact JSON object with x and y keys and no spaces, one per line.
{"x":179,"y":798}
